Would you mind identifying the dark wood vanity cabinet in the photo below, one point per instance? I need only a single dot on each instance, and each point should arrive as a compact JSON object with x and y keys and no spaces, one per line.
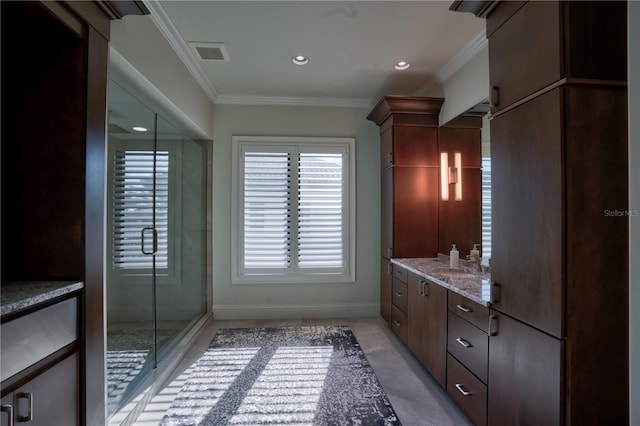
{"x":427,"y":325}
{"x":467,"y":356}
{"x":53,"y":165}
{"x":560,"y":231}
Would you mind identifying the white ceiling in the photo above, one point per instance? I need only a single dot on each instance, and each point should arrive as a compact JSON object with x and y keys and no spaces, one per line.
{"x":352,"y":46}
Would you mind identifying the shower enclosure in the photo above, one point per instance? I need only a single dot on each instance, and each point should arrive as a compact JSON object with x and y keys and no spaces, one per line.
{"x":156,"y":218}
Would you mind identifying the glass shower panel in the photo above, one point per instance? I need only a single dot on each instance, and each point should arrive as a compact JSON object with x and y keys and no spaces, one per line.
{"x":180,"y":291}
{"x":156,"y":268}
{"x":130,"y":210}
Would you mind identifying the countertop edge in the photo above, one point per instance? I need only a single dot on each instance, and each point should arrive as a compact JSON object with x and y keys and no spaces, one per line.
{"x":441,"y":283}
{"x":41,"y":292}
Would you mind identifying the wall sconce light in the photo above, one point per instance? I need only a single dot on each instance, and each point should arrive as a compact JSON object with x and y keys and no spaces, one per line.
{"x":451,"y":175}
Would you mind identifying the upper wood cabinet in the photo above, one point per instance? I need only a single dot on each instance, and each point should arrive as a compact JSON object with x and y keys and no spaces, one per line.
{"x":408,"y":130}
{"x":409,"y":176}
{"x":544,"y":42}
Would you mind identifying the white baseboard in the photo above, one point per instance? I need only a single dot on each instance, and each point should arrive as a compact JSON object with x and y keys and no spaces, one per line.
{"x":348,"y":310}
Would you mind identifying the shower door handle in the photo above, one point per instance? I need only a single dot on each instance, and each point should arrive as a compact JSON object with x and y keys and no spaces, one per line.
{"x":154,"y":234}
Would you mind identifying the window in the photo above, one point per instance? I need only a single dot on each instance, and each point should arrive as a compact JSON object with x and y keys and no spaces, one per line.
{"x":292,"y":219}
{"x":486,"y":208}
{"x":132,"y":210}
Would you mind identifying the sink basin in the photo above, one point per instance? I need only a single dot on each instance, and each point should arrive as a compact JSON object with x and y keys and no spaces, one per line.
{"x":453,"y":273}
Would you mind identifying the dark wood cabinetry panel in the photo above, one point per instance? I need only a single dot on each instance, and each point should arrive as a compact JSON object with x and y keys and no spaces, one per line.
{"x":527,"y":195}
{"x":385,"y":290}
{"x":525,"y":375}
{"x":386,"y":213}
{"x":597,"y":289}
{"x":415,"y":146}
{"x":415,"y":211}
{"x":42,"y":146}
{"x":427,"y":325}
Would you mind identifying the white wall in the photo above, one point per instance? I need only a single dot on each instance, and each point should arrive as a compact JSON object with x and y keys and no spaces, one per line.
{"x":138,"y":42}
{"x":465,"y":88}
{"x":232,"y":301}
{"x":634,"y":205}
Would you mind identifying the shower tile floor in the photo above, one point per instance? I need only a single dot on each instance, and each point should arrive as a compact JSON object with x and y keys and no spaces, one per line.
{"x":417,"y":399}
{"x":129,"y":351}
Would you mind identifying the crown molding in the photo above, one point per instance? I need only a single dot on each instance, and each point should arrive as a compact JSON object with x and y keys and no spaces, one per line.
{"x":172,"y":35}
{"x":455,"y":63}
{"x":294,"y":101}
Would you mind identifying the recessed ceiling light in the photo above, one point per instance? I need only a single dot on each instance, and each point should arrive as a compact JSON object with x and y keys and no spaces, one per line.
{"x":140,"y":129}
{"x":402,"y":65}
{"x":300,"y":60}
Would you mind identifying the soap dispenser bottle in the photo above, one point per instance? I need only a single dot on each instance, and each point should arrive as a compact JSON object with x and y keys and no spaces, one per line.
{"x":454,"y":256}
{"x":474,"y":252}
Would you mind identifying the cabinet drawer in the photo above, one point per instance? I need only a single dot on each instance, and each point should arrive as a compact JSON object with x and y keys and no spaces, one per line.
{"x":471,"y":311}
{"x":400,"y":273}
{"x":467,"y":391}
{"x":399,"y":295}
{"x":28,"y":339}
{"x":469,"y":345}
{"x":399,"y":323}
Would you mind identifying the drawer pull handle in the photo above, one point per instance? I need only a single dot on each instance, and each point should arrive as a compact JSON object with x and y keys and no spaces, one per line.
{"x":464,"y":342}
{"x":397,"y":324}
{"x":495,"y":96}
{"x":9,"y":410}
{"x":29,"y":397}
{"x":397,"y":293}
{"x":460,"y":387}
{"x":464,"y":308}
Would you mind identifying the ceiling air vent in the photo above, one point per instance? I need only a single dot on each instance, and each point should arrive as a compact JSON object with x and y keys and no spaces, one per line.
{"x":209,"y":51}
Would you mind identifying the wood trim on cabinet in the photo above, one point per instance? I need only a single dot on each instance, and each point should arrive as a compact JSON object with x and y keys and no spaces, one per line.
{"x":93,"y":327}
{"x":399,"y":105}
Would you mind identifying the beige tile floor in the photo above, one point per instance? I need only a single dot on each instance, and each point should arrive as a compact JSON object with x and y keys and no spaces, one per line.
{"x":416,"y":397}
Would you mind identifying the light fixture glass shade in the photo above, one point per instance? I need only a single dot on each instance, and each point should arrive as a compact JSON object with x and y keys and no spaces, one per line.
{"x":444,"y":176}
{"x":458,"y":163}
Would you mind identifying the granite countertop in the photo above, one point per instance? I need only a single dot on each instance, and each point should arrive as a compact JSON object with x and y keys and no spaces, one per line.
{"x":472,"y":284}
{"x":17,"y":296}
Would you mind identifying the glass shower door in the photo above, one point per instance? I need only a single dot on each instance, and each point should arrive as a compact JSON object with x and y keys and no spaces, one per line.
{"x":156,"y":236}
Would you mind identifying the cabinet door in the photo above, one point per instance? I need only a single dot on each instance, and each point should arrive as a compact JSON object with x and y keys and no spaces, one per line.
{"x":524,"y":53}
{"x":427,"y":325}
{"x":525,"y":375}
{"x":415,"y":145}
{"x":385,"y":290}
{"x":53,"y":396}
{"x":415,"y":211}
{"x":527,"y":233}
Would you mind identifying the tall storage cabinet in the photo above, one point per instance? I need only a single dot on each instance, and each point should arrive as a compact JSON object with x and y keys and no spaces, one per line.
{"x":560,"y":233}
{"x":53,"y":157}
{"x":409,"y":180}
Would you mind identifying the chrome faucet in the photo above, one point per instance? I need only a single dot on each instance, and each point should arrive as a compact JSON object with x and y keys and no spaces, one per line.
{"x":475,"y":259}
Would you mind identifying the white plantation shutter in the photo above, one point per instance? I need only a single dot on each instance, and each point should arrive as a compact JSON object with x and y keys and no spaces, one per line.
{"x":293,"y":210}
{"x":133,"y":205}
{"x":320,"y":211}
{"x":267,"y":200}
{"x":486,"y":207}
